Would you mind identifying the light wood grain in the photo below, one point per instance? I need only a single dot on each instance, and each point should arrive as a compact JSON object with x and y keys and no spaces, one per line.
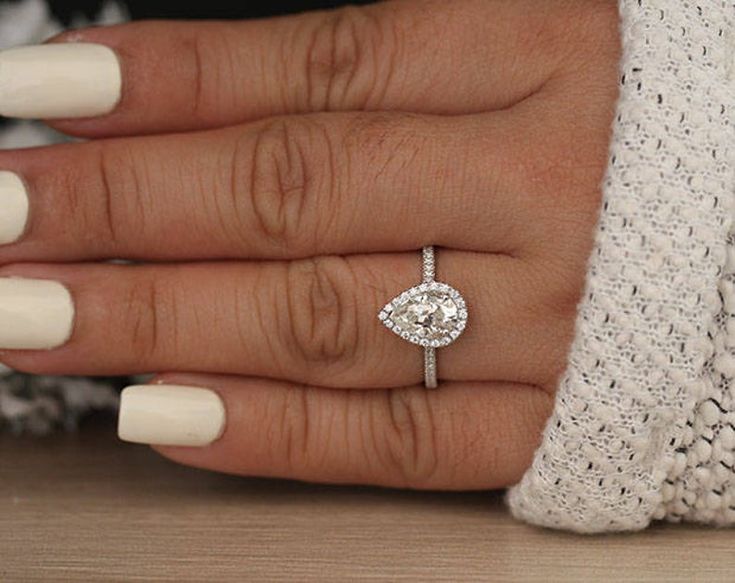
{"x":86,"y":508}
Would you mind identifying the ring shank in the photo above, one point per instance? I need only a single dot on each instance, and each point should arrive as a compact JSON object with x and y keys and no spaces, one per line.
{"x":430,"y":379}
{"x":429,"y":275}
{"x":429,"y":264}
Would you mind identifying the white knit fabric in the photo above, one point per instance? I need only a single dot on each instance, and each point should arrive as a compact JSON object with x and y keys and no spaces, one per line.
{"x":643,"y":423}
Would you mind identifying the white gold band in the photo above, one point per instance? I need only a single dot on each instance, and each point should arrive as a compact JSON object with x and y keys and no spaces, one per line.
{"x":431,"y":314}
{"x":429,"y":273}
{"x":430,"y":374}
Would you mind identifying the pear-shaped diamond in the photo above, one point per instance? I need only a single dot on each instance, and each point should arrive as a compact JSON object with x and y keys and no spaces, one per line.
{"x":430,"y":314}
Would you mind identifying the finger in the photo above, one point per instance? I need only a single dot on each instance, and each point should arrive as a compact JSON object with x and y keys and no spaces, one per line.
{"x":424,"y":56}
{"x":462,"y":436}
{"x":293,"y":187}
{"x":312,"y":321}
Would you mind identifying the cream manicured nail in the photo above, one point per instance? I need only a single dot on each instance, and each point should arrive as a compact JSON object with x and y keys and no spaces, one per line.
{"x":59,"y":80}
{"x":35,"y":314}
{"x":170,"y":415}
{"x":13,"y":207}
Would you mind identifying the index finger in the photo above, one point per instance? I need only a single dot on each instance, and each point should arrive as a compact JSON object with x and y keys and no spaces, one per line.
{"x":422,"y":56}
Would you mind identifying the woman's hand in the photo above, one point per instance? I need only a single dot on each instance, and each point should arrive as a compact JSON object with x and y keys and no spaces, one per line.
{"x":317,"y":154}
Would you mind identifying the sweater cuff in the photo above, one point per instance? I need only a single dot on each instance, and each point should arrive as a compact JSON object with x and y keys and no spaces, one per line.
{"x":644,"y":422}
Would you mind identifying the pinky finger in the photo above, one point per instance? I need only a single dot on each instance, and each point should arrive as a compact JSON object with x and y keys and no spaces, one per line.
{"x":460,"y":437}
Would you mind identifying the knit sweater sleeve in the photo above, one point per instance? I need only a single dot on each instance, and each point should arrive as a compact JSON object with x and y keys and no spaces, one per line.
{"x":644,"y":421}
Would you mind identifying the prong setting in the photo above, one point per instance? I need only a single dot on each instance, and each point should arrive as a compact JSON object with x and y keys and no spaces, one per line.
{"x":429,"y":294}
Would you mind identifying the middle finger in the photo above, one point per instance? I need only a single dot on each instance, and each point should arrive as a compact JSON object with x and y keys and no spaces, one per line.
{"x":288,"y":188}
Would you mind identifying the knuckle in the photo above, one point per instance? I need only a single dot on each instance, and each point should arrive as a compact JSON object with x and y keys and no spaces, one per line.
{"x":278,"y":169}
{"x":210,"y":63}
{"x":347,"y":52}
{"x":197,"y":51}
{"x":293,"y":426}
{"x":322,"y":326}
{"x":143,"y":311}
{"x":411,"y":437}
{"x":70,"y":182}
{"x":108,"y":200}
{"x":121,"y":201}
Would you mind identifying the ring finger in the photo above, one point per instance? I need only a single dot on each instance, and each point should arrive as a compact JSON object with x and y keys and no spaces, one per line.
{"x":312,"y":321}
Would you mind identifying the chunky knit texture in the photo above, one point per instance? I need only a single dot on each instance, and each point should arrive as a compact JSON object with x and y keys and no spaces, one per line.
{"x":643,"y":424}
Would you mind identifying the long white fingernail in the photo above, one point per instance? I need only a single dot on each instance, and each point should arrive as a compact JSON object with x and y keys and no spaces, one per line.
{"x":59,"y":80}
{"x":170,"y":415}
{"x":35,"y":314}
{"x":13,"y":207}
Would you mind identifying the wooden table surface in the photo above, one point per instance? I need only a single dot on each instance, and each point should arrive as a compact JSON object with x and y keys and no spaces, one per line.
{"x":87,"y":508}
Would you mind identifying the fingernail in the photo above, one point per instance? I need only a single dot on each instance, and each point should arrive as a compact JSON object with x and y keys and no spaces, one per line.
{"x":170,"y":415}
{"x":35,"y":314}
{"x":59,"y":80}
{"x":13,"y":207}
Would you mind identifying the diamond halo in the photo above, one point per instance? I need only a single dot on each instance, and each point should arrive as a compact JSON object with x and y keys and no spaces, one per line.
{"x":432,"y":314}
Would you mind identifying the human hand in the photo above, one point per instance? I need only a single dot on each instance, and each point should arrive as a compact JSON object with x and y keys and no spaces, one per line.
{"x":315,"y":155}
